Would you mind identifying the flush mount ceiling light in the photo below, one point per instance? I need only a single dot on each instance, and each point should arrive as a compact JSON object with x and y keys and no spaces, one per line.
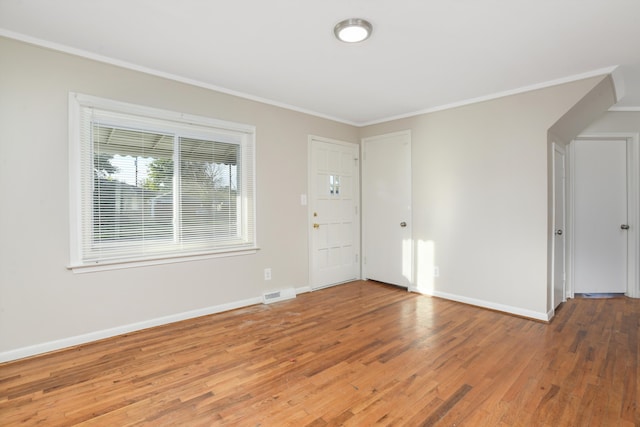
{"x":353,"y":30}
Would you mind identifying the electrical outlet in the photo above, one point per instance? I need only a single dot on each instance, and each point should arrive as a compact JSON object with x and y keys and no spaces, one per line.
{"x":436,"y":271}
{"x":267,"y":274}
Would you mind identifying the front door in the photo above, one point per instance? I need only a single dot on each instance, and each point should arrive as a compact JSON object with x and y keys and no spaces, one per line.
{"x":386,"y":213}
{"x":600,"y":216}
{"x":334,"y":226}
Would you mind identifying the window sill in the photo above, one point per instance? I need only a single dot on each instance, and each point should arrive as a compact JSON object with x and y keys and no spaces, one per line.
{"x":117,"y":265}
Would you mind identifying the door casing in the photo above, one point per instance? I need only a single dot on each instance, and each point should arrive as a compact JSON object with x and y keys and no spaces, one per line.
{"x":633,"y":210}
{"x":558,"y":290}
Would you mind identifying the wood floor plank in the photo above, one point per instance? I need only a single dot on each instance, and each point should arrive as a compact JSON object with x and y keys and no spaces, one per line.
{"x":362,"y":353}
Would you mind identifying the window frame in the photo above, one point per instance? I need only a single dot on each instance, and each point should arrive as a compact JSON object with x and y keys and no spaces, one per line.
{"x":144,"y":119}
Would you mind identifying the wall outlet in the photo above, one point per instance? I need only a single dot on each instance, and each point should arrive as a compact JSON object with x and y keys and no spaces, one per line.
{"x":267,"y":274}
{"x":436,"y":271}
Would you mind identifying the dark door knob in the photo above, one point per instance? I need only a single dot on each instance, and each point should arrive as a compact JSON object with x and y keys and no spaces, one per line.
{"x":624,"y":226}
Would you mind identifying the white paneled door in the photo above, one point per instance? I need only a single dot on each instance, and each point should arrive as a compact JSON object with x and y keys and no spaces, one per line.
{"x":600,"y":216}
{"x":334,"y":221}
{"x":386,"y":209}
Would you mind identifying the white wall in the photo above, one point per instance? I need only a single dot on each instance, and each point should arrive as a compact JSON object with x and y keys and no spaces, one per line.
{"x":480,"y":196}
{"x":40,"y":300}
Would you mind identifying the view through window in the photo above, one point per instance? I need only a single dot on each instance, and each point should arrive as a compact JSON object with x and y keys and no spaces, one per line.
{"x":152,"y":188}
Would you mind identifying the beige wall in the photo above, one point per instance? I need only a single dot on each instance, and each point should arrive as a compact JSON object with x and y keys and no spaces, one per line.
{"x":615,"y":122}
{"x":40,"y":300}
{"x":479,"y":194}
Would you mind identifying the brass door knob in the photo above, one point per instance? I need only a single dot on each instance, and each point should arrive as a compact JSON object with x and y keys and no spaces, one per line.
{"x":316,"y":225}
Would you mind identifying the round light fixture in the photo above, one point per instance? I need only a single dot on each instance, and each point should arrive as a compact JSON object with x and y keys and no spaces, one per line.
{"x":353,"y":30}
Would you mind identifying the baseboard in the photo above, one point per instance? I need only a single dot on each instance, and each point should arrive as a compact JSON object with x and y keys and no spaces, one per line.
{"x":303,"y":290}
{"x":47,"y":347}
{"x":550,"y":314}
{"x":50,"y":346}
{"x":517,"y":311}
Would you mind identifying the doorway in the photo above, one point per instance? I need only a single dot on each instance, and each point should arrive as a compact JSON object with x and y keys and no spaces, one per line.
{"x":604,"y":213}
{"x":386,"y":215}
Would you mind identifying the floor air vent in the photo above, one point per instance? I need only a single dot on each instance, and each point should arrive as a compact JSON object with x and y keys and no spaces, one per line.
{"x":280,"y":295}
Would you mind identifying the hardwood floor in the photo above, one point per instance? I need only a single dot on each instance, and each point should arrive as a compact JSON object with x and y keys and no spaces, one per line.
{"x":358,"y":354}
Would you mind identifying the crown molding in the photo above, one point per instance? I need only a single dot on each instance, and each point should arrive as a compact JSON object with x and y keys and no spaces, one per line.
{"x":193,"y":82}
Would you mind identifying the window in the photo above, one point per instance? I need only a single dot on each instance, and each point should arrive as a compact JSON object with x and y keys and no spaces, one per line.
{"x":150,"y":184}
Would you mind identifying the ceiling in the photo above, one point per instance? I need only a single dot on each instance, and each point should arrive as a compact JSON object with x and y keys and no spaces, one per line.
{"x":424,"y":55}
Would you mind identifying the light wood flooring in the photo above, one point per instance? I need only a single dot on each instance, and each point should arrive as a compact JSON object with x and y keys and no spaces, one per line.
{"x":358,"y":354}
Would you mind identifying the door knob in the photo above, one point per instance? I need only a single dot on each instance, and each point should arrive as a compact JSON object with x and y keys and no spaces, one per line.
{"x":316,"y":225}
{"x":403,"y":224}
{"x":624,"y":226}
{"x":559,"y":232}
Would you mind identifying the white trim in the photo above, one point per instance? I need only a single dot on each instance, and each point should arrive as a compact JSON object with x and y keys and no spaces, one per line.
{"x":496,"y":95}
{"x":150,"y":71}
{"x":625,"y":109}
{"x":118,"y":108}
{"x":172,"y":259}
{"x":46,"y":347}
{"x":618,"y":83}
{"x":530,"y":314}
{"x":75,"y":177}
{"x":161,"y":120}
{"x":63,"y":343}
{"x":570,"y":240}
{"x":193,"y":82}
{"x":303,"y":290}
{"x":558,"y":150}
{"x":634,"y":292}
{"x":633,"y":207}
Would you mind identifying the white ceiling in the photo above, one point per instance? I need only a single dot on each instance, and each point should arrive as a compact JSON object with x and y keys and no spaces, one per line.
{"x":423,"y":55}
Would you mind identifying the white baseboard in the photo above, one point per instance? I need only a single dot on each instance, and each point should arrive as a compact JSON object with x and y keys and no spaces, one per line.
{"x":545,"y":317}
{"x":550,"y":315}
{"x":303,"y":290}
{"x":46,"y":347}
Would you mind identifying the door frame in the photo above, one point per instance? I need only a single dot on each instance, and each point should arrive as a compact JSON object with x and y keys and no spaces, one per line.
{"x":356,"y":198}
{"x":633,"y":209}
{"x":558,"y":149}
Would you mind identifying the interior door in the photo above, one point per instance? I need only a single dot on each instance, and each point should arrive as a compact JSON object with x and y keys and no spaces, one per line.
{"x":559,"y":234}
{"x":334,"y":224}
{"x":600,"y":216}
{"x":386,"y":215}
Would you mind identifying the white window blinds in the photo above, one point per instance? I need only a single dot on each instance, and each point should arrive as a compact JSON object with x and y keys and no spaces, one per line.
{"x":153,"y":184}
